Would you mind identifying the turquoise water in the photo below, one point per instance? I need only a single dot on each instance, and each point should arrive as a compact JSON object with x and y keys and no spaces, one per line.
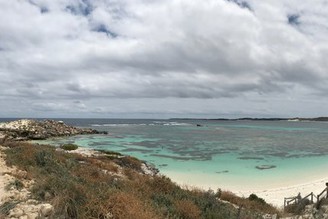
{"x":225,"y":154}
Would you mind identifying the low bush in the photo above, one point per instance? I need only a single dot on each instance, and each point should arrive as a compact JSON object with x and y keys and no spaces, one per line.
{"x":16,"y":184}
{"x":187,"y":209}
{"x":129,"y":162}
{"x":69,"y":147}
{"x":252,"y":202}
{"x":253,"y":197}
{"x":6,"y":207}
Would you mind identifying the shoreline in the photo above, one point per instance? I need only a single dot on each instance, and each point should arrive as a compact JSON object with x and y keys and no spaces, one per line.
{"x":271,"y":194}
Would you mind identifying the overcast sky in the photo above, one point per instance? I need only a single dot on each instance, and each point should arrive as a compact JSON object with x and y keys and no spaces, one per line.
{"x":163,"y":58}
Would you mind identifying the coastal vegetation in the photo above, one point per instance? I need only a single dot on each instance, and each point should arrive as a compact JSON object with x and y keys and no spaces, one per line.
{"x":69,"y":147}
{"x":116,"y":186}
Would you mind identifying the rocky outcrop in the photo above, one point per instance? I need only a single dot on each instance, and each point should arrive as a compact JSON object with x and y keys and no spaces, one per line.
{"x":31,"y":209}
{"x":26,"y":129}
{"x":149,"y":169}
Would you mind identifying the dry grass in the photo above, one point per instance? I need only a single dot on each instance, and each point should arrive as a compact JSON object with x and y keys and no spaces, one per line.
{"x":80,"y":187}
{"x":253,"y":202}
{"x":124,"y":205}
{"x":187,"y":209}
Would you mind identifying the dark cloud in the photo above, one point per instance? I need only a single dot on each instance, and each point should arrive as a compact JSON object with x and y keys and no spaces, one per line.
{"x":83,"y":7}
{"x":242,"y":4}
{"x":44,"y":10}
{"x":294,"y":19}
{"x":103,"y":29}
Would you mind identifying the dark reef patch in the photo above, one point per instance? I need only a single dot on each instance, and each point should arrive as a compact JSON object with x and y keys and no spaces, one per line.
{"x":224,"y":171}
{"x":163,"y":165}
{"x":250,"y":158}
{"x":265,"y":167}
{"x":182,"y":158}
{"x":137,"y":150}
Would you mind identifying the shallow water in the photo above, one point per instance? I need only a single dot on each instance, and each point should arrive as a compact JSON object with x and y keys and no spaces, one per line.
{"x":228,"y":154}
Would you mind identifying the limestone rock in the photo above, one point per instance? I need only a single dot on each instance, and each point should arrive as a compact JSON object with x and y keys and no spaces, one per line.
{"x":16,"y":213}
{"x":32,"y":215}
{"x":26,"y":129}
{"x":46,"y":210}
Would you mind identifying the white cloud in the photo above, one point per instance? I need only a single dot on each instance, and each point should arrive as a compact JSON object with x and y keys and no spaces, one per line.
{"x":130,"y":51}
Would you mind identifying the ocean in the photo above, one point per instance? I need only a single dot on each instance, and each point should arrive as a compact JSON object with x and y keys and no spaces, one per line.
{"x":233,"y":155}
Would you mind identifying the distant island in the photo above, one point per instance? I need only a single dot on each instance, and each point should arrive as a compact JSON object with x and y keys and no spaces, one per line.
{"x":316,"y":119}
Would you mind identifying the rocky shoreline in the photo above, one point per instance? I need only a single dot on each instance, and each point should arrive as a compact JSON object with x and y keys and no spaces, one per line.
{"x":18,"y":202}
{"x":26,"y":129}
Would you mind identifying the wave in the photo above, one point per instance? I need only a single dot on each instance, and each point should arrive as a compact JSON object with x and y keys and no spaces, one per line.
{"x":176,"y":124}
{"x":116,"y":125}
{"x":142,"y":124}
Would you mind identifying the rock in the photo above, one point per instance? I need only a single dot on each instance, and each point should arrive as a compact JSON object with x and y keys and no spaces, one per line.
{"x":21,"y":174}
{"x":149,"y":169}
{"x":32,"y":202}
{"x":269,"y":216}
{"x":32,"y":215}
{"x":109,"y":215}
{"x":23,"y":217}
{"x":37,"y":130}
{"x":46,"y":210}
{"x":16,"y":213}
{"x":47,"y":196}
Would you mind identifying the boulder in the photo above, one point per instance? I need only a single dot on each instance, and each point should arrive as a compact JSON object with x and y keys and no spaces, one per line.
{"x":46,"y":210}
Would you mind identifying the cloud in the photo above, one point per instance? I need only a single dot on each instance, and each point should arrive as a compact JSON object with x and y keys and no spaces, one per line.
{"x":68,"y":50}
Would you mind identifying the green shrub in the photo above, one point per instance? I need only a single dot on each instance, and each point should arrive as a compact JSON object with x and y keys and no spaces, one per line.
{"x":17,"y":184}
{"x":40,"y":158}
{"x":69,"y":147}
{"x":129,"y":162}
{"x":253,"y":197}
{"x":6,"y":207}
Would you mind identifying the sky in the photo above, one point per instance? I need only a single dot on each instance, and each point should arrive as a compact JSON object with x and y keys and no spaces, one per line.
{"x":163,"y":58}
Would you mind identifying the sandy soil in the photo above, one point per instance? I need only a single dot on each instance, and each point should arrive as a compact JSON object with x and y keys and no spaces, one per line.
{"x":5,"y":178}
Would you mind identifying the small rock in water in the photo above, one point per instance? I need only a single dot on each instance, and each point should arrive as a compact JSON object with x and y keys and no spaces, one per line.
{"x":163,"y":165}
{"x":265,"y":167}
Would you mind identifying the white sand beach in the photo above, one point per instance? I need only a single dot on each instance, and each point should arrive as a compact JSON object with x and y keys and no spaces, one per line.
{"x":273,"y":194}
